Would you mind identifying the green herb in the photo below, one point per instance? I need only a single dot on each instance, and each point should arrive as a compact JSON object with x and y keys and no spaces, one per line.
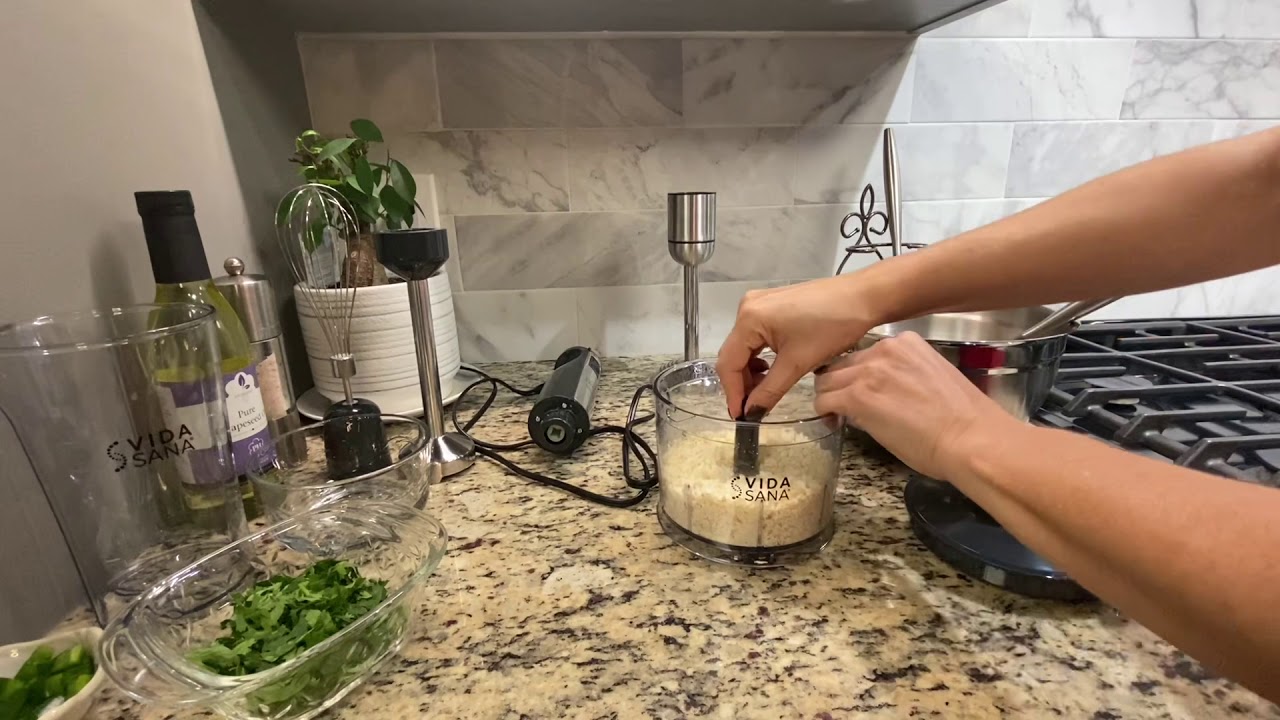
{"x":43,"y":678}
{"x":280,"y":618}
{"x":376,"y":191}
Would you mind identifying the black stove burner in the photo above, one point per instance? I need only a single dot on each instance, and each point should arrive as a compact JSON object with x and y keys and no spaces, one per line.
{"x":1204,"y":394}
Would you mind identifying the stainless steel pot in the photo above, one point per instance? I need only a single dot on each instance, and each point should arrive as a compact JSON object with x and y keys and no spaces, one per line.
{"x":1017,"y":374}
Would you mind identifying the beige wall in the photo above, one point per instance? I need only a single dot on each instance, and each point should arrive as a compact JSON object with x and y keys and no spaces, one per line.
{"x":98,"y":98}
{"x":101,"y":98}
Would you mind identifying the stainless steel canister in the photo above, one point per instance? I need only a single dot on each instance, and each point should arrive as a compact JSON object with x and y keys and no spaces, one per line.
{"x":1016,"y":373}
{"x":251,"y":297}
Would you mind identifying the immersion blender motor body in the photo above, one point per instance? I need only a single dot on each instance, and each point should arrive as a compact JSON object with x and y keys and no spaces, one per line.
{"x":691,"y":240}
{"x":561,"y":418}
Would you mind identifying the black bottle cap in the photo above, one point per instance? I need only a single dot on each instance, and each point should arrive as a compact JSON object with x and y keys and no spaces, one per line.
{"x":173,"y":238}
{"x":164,"y":202}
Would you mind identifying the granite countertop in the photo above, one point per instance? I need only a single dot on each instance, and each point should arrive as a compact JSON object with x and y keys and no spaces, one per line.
{"x":549,"y":607}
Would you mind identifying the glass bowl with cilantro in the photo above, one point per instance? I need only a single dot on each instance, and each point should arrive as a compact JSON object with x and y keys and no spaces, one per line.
{"x":374,"y":456}
{"x":281,"y":624}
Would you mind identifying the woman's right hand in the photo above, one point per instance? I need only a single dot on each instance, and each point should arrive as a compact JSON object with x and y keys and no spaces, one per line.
{"x":805,"y":325}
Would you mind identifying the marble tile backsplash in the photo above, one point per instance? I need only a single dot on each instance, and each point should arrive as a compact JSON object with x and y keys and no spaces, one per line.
{"x":553,"y":156}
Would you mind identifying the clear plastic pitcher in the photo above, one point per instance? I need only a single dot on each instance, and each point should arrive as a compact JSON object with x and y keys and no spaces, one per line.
{"x":121,"y":415}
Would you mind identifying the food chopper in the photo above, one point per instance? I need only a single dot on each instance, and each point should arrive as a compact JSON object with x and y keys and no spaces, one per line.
{"x":778,"y":513}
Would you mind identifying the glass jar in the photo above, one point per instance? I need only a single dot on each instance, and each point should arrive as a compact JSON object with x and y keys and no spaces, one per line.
{"x":773,"y":509}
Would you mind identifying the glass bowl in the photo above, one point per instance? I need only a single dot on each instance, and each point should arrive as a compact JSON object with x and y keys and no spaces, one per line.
{"x":389,"y":464}
{"x":774,"y":510}
{"x":144,"y":651}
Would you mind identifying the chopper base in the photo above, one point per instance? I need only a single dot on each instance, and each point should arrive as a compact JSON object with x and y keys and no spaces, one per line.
{"x":762,"y":557}
{"x":965,"y":537}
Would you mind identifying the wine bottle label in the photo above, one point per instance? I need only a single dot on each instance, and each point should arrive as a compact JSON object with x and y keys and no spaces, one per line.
{"x":273,"y":397}
{"x":251,"y":446}
{"x":187,"y":437}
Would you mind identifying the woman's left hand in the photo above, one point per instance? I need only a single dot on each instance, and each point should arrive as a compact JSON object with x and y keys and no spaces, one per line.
{"x":913,"y":402}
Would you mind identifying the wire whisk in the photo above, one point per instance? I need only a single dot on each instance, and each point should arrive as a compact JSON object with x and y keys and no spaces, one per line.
{"x":315,"y":227}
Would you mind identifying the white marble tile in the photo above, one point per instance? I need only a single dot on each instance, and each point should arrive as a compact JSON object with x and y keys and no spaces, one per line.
{"x":1114,"y":18}
{"x":1204,"y":79}
{"x":1248,"y":294}
{"x":774,"y":244}
{"x":1227,"y":129}
{"x":929,"y":222}
{"x":452,"y":265}
{"x":1010,"y":18}
{"x":617,"y":83}
{"x":502,"y":83}
{"x":1238,"y":19}
{"x":391,"y":82}
{"x":1049,"y":158}
{"x":833,"y":163}
{"x":986,"y":80}
{"x":563,"y":250}
{"x":936,"y":162}
{"x":796,"y":80}
{"x":631,"y":320}
{"x":630,"y":168}
{"x":649,"y":319}
{"x":515,"y":325}
{"x":490,"y":171}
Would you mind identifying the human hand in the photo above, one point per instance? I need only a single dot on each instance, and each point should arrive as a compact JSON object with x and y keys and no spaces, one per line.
{"x":805,"y":325}
{"x":913,"y":402}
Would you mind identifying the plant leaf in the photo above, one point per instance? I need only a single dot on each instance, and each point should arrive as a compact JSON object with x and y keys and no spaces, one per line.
{"x":364,"y":176}
{"x":402,"y":180}
{"x":366,"y":130}
{"x":393,"y":203}
{"x":333,"y":148}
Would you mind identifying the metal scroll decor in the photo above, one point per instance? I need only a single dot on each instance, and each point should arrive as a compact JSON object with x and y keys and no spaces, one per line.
{"x":868,"y":223}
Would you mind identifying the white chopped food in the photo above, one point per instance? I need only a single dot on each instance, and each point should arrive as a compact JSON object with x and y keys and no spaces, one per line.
{"x":787,"y":501}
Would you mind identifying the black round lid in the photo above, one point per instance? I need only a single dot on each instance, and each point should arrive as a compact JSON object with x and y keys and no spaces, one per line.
{"x":971,"y":541}
{"x":164,"y":202}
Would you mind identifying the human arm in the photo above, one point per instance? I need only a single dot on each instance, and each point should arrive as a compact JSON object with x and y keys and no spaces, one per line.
{"x":1194,"y":557}
{"x":1197,"y":215}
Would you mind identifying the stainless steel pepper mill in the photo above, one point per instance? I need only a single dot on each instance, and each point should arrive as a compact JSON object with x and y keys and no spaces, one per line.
{"x":416,"y":255}
{"x":691,"y":240}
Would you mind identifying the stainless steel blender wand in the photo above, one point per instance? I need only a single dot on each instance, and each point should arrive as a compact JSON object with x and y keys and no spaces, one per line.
{"x":416,"y":255}
{"x":691,"y":240}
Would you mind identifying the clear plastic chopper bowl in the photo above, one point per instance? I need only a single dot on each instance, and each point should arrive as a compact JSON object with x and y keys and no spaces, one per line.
{"x":771,"y":507}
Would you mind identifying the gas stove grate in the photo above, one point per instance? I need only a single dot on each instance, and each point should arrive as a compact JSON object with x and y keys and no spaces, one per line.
{"x":1202,"y":393}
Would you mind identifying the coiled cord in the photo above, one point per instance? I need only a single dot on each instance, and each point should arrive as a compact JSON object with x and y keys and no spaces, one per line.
{"x":632,"y":445}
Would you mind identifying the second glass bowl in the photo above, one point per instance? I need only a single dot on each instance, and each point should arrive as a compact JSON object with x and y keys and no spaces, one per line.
{"x":395,"y":468}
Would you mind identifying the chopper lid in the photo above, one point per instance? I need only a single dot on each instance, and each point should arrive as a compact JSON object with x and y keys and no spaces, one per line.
{"x":251,"y":297}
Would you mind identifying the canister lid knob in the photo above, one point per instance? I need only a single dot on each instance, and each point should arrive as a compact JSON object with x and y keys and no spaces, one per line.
{"x":234,"y":266}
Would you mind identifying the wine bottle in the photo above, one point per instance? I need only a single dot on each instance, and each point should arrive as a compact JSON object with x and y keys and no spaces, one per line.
{"x":182,"y":275}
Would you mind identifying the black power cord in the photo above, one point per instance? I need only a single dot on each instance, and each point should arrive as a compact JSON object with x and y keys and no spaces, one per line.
{"x":632,"y":445}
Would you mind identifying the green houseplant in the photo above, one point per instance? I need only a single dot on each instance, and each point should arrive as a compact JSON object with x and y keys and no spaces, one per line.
{"x":381,"y":194}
